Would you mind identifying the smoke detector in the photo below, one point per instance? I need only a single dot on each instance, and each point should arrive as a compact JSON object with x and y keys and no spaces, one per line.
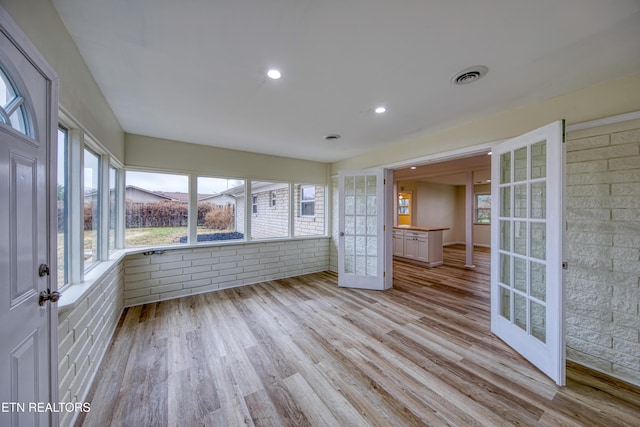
{"x":469,"y":75}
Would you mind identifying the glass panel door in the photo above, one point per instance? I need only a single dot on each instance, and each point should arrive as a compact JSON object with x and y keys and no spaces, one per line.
{"x":527,"y":310}
{"x":362,"y":230}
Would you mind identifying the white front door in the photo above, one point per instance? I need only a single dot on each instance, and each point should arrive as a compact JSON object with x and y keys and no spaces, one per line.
{"x":365,"y":244}
{"x":28,"y":120}
{"x":526,"y":241}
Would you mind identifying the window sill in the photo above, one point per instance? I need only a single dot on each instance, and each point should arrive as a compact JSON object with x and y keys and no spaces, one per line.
{"x":73,"y":293}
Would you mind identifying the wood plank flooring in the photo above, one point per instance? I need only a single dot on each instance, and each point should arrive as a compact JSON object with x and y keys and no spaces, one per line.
{"x":301,"y":351}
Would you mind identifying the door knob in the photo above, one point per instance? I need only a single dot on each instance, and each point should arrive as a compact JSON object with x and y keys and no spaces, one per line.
{"x":342,"y":234}
{"x":48,"y":296}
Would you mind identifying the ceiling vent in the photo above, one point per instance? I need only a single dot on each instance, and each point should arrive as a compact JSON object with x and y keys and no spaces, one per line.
{"x":469,"y":75}
{"x":332,"y":137}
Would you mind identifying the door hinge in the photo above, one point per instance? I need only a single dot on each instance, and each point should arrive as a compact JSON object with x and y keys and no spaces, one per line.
{"x":565,"y":265}
{"x":384,"y":228}
{"x":384,"y":274}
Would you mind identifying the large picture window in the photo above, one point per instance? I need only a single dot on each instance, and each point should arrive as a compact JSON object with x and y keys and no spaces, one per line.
{"x":220,"y":216}
{"x":156,"y":209}
{"x":270,"y":217}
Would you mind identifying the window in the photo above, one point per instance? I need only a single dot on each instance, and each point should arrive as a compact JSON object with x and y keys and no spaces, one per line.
{"x":310,"y":208}
{"x":307,"y":200}
{"x":91,"y":193}
{"x":220,"y":216}
{"x":156,"y":209}
{"x":12,"y":111}
{"x":274,"y":222}
{"x":62,"y":206}
{"x":113,"y":207}
{"x":482,"y":214}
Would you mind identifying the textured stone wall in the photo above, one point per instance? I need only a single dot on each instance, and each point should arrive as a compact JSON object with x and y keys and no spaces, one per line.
{"x":84,"y":333}
{"x":181,"y":272}
{"x":603,"y":249}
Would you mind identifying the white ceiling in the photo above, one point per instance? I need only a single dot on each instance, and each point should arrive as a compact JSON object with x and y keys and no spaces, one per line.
{"x":194,"y":70}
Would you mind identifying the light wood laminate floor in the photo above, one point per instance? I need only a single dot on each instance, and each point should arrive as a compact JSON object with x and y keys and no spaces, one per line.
{"x":302,"y":351}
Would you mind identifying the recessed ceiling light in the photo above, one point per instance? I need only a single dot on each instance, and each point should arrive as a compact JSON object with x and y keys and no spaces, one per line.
{"x":489,"y":153}
{"x":380,"y":110}
{"x":274,"y":74}
{"x":413,"y":168}
{"x":469,"y":75}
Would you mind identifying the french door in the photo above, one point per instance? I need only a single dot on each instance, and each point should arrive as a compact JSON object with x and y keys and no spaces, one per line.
{"x":364,"y":247}
{"x":526,"y":241}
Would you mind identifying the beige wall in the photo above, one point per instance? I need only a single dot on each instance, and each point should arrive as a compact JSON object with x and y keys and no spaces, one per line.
{"x":603,"y":100}
{"x":80,"y":96}
{"x":435,"y":207}
{"x":162,"y":154}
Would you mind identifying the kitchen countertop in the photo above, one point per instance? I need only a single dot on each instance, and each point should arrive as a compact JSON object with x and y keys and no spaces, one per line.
{"x":412,"y":228}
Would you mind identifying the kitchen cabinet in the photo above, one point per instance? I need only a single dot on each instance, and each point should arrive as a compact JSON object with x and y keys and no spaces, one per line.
{"x":420,"y":245}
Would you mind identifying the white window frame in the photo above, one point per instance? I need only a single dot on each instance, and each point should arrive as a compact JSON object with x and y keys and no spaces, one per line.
{"x":475,"y":208}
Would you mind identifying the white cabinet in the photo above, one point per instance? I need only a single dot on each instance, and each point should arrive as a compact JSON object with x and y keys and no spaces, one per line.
{"x":421,"y":247}
{"x":398,"y":243}
{"x":416,"y":245}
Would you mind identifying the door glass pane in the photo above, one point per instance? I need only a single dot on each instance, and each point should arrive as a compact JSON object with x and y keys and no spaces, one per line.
{"x":372,"y":266}
{"x":349,"y":183}
{"x":361,"y":205}
{"x":520,"y":165}
{"x":505,"y":201}
{"x":361,"y":187}
{"x":372,"y":245}
{"x":520,"y":201}
{"x":539,"y":160}
{"x":361,"y":224}
{"x":349,"y":245}
{"x":505,"y":168}
{"x":520,"y":237}
{"x":538,"y":321}
{"x":371,"y":184}
{"x":538,"y":280}
{"x":371,"y":205}
{"x":505,"y":303}
{"x":505,"y":269}
{"x":349,"y":205}
{"x":349,"y":225}
{"x":361,"y":265}
{"x":539,"y":200}
{"x":538,"y":240}
{"x":372,"y":223}
{"x":520,"y":311}
{"x":520,"y":274}
{"x":505,"y":235}
{"x":349,"y":264}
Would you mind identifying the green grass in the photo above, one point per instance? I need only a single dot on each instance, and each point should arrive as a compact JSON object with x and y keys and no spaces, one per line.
{"x":153,"y":236}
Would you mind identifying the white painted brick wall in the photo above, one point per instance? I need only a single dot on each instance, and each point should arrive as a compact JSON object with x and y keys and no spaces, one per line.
{"x":603,"y":249}
{"x":181,"y":272}
{"x":84,"y":334}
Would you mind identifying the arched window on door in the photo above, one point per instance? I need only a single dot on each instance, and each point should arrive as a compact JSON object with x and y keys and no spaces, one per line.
{"x":12,"y":106}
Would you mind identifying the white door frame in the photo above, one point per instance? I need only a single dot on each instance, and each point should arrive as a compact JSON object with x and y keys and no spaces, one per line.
{"x":14,"y":33}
